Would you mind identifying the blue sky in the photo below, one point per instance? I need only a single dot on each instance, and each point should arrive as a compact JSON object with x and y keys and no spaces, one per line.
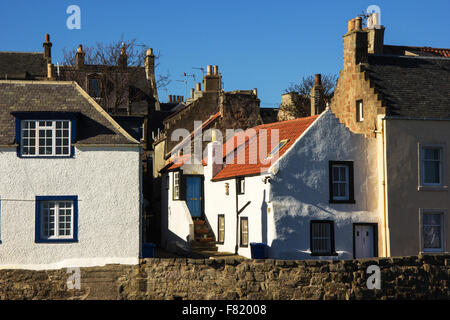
{"x":256,"y":44}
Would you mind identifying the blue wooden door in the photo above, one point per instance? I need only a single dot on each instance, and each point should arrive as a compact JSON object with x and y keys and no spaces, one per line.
{"x":194,"y":195}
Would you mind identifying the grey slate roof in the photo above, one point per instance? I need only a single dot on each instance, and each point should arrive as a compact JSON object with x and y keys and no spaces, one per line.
{"x":417,"y":87}
{"x":15,"y":63}
{"x":94,"y":126}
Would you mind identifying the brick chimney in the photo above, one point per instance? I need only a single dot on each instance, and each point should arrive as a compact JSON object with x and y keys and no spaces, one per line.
{"x":355,"y":45}
{"x":317,"y":96}
{"x":150,"y":75}
{"x":47,"y":49}
{"x":79,"y":58}
{"x":375,"y":34}
{"x":212,"y":80}
{"x":123,"y":57}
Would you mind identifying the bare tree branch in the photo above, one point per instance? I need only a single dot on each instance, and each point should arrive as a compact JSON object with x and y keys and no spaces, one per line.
{"x":119,"y":87}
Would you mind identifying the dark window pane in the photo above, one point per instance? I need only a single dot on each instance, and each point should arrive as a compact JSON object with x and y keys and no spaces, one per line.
{"x":432,"y":172}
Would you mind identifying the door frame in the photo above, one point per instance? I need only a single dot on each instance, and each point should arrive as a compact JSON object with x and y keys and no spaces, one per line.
{"x":202,"y":192}
{"x":375,"y":237}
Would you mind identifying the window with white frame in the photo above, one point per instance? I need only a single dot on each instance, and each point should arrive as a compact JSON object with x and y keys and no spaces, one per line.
{"x":359,"y":111}
{"x":240,"y":184}
{"x":221,"y":229}
{"x":322,"y":237}
{"x":244,"y":232}
{"x":176,"y":185}
{"x":431,"y":165}
{"x":45,"y":138}
{"x":432,"y":230}
{"x":341,"y":181}
{"x":56,"y":219}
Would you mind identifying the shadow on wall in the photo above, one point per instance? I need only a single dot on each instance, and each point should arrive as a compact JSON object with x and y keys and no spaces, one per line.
{"x":176,"y":244}
{"x":264,"y":219}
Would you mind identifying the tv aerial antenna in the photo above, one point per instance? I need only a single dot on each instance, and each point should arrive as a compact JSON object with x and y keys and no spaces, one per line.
{"x":202,"y":70}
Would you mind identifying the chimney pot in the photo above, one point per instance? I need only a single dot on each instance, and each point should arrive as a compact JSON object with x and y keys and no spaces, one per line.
{"x":216,"y":70}
{"x":170,"y":98}
{"x":318,"y":79}
{"x":351,"y":25}
{"x":123,"y":58}
{"x":192,"y":93}
{"x":49,"y":71}
{"x":149,"y":52}
{"x":79,"y":57}
{"x":199,"y":86}
{"x":358,"y":23}
{"x":209,"y":70}
{"x":47,"y":48}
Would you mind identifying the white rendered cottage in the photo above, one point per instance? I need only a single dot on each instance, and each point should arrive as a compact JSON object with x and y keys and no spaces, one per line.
{"x":70,"y":190}
{"x":314,"y":197}
{"x":317,"y":198}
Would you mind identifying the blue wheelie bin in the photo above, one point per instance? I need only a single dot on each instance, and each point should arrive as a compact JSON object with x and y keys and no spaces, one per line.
{"x":148,"y":250}
{"x":258,"y":250}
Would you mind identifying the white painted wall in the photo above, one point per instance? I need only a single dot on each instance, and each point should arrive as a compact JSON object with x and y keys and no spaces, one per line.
{"x":280,"y":211}
{"x":177,"y":225}
{"x":300,"y":190}
{"x":107,"y":183}
{"x":217,"y":202}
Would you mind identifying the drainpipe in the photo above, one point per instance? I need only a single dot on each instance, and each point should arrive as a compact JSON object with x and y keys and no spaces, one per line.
{"x":383,"y":137}
{"x":237,"y":218}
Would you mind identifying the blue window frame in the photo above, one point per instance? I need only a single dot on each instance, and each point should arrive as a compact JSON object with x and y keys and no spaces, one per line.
{"x":45,"y":134}
{"x":56,"y":219}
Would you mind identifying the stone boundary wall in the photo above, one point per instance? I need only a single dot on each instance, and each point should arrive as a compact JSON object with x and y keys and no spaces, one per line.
{"x":416,"y":277}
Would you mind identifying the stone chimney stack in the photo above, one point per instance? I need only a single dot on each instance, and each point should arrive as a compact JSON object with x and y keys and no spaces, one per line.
{"x":355,"y":45}
{"x":150,"y":75}
{"x":123,"y":57}
{"x":318,"y":104}
{"x":375,"y":34}
{"x":47,"y":49}
{"x":212,"y":81}
{"x":79,"y":58}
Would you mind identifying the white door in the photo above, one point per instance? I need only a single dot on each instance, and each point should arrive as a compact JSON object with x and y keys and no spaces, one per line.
{"x":364,"y":241}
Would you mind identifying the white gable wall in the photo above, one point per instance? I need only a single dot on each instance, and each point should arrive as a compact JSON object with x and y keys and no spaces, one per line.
{"x":107,"y":183}
{"x":280,"y":211}
{"x":300,"y":190}
{"x":260,"y":225}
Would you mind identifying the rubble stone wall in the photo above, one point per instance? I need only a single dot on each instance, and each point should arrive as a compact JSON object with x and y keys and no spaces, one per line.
{"x":415,"y":277}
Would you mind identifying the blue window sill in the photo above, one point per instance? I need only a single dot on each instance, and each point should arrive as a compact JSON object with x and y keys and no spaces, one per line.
{"x":57,"y":241}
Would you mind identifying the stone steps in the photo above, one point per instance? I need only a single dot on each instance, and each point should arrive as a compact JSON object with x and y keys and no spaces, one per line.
{"x":203,"y":237}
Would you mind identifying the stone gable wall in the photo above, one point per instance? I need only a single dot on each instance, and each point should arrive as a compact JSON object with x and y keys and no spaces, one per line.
{"x":351,"y":87}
